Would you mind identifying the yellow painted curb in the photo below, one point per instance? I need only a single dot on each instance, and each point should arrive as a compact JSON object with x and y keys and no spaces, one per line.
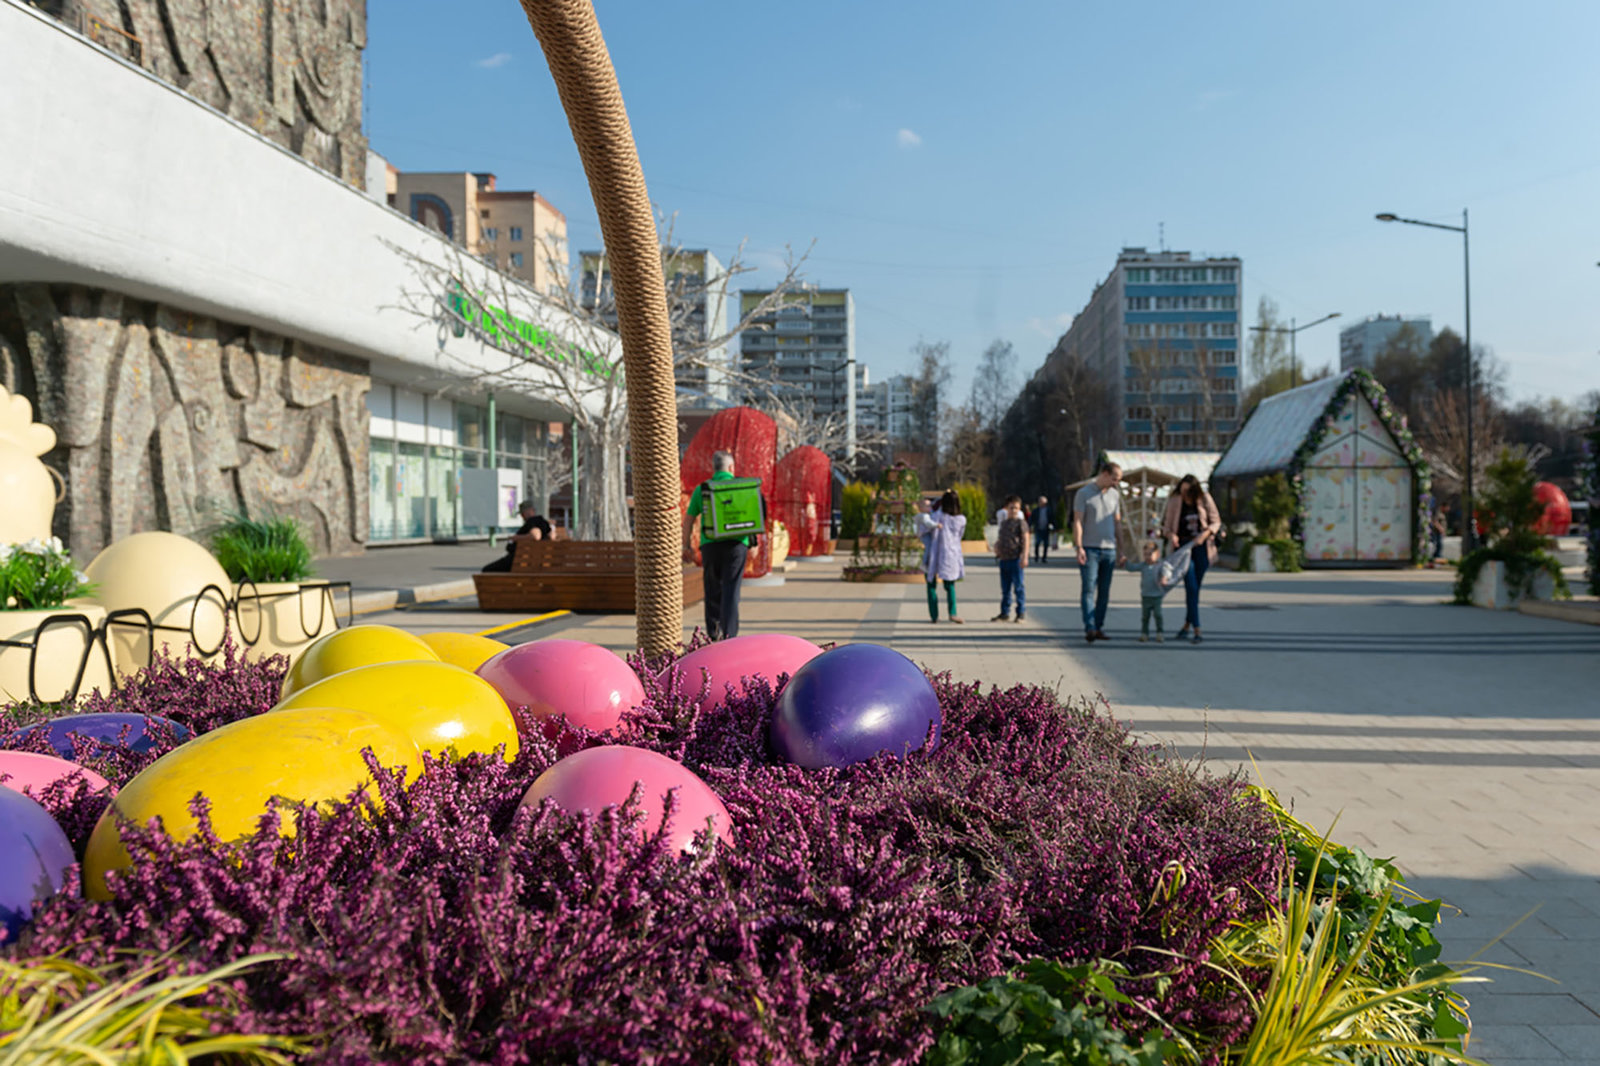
{"x":522,"y":622}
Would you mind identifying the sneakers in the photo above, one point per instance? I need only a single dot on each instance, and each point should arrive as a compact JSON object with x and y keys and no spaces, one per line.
{"x":1160,"y":639}
{"x":1143,"y":639}
{"x":1088,"y":636}
{"x":1100,"y":634}
{"x":1020,"y":616}
{"x":1001,"y":618}
{"x":958,"y":621}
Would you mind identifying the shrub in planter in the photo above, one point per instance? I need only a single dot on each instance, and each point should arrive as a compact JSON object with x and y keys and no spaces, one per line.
{"x":1510,"y":512}
{"x":267,"y":559}
{"x":449,"y":923}
{"x":37,"y":578}
{"x":1288,"y":556}
{"x":855,"y":511}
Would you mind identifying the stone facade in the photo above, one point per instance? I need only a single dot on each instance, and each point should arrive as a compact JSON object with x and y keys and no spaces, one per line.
{"x":171,"y":420}
{"x":289,"y":69}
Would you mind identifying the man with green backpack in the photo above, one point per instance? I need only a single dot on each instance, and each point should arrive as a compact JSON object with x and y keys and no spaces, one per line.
{"x":732,"y":514}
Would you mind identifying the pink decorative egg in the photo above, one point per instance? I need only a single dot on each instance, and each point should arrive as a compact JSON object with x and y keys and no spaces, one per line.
{"x":597,"y":778}
{"x":590,"y":685}
{"x":729,"y":662}
{"x":30,"y":770}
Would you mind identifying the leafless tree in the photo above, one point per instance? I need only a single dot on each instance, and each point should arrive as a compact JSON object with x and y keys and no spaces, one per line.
{"x":558,"y":345}
{"x":1443,"y":430}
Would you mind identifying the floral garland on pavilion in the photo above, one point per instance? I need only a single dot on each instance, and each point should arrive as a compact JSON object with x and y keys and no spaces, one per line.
{"x":1362,"y":381}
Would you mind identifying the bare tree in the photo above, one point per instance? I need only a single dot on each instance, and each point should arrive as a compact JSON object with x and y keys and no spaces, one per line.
{"x":558,"y":345}
{"x":994,"y":385}
{"x":1444,"y":436}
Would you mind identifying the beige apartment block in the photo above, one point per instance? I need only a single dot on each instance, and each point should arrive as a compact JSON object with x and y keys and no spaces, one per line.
{"x":520,"y":233}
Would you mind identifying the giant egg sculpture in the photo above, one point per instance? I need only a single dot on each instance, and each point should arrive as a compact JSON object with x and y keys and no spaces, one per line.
{"x":439,"y":706}
{"x":851,"y":704}
{"x":34,"y":858}
{"x":310,"y":755}
{"x":718,"y":665}
{"x":592,"y":686}
{"x":596,"y":778}
{"x":346,"y":649}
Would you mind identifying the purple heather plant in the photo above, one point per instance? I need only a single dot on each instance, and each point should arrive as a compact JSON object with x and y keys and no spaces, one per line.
{"x":441,"y":921}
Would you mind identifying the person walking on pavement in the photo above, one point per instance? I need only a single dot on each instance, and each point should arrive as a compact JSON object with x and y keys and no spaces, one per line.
{"x":1011,"y":552}
{"x":722,"y":561}
{"x":1041,"y":527}
{"x":534,"y":525}
{"x":1096,"y":530}
{"x":1192,"y":518}
{"x":941,"y":527}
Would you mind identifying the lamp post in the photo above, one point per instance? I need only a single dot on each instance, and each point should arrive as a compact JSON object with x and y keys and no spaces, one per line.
{"x":1469,"y":536}
{"x":1291,"y":329}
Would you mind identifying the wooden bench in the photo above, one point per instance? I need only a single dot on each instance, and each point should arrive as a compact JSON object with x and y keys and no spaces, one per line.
{"x":572,"y":575}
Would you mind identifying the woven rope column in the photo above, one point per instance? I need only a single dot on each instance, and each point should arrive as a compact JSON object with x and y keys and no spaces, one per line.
{"x":573,"y":47}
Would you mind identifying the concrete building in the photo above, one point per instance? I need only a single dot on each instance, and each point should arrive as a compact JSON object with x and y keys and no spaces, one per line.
{"x":518,"y":233}
{"x":1162,"y":331}
{"x":803,"y":350}
{"x":214,"y":323}
{"x":884,"y":408}
{"x":1359,"y":344}
{"x":697,"y":297}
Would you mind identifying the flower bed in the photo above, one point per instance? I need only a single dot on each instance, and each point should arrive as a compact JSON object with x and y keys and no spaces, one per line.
{"x":451,"y":924}
{"x":907,"y":574}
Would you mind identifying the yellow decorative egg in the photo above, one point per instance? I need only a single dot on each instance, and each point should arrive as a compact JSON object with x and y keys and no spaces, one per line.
{"x":466,"y":650}
{"x":176,"y":581}
{"x":311,"y":754}
{"x":437,"y":705}
{"x":346,"y":649}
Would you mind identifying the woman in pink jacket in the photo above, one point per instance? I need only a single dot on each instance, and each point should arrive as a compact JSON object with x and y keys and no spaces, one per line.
{"x":1192,"y":516}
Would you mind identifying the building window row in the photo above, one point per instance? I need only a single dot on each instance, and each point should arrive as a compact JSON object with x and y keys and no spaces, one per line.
{"x":1178,"y":275}
{"x":1182,"y":329}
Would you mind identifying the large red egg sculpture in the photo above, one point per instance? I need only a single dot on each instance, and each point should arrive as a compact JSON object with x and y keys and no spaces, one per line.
{"x":1557,"y":516}
{"x":596,"y":778}
{"x":728,"y":662}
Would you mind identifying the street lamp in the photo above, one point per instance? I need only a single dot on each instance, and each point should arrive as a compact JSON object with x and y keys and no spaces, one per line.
{"x":1469,"y":537}
{"x":1291,"y":329}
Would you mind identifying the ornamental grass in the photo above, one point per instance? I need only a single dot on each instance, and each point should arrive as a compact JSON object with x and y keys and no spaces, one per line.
{"x":444,"y":923}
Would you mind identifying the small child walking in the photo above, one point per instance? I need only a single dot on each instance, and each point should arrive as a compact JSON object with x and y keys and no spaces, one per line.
{"x":1011,"y":552}
{"x":1151,"y":592}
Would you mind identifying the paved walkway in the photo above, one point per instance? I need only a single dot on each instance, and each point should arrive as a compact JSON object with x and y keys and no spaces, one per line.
{"x":1466,"y":743}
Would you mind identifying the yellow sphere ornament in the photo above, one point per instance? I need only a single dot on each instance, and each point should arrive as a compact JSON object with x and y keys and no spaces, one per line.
{"x":437,"y":705}
{"x":346,"y":649}
{"x":466,"y":650}
{"x":311,"y":755}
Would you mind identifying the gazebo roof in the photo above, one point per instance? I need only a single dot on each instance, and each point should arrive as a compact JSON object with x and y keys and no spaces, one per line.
{"x":1276,"y":429}
{"x":1164,"y":467}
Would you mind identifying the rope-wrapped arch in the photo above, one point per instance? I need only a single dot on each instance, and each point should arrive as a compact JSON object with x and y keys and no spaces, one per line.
{"x":576,"y":53}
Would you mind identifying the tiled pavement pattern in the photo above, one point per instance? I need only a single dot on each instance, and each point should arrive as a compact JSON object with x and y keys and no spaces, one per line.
{"x":1464,"y":742}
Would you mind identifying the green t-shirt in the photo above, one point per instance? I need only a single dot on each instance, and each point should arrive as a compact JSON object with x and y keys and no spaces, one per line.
{"x":695,"y":504}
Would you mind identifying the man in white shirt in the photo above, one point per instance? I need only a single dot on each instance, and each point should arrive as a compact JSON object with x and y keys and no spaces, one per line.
{"x":1096,"y":530}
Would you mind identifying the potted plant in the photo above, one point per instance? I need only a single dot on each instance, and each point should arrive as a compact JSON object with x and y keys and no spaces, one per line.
{"x":38,"y":582}
{"x":269,"y":561}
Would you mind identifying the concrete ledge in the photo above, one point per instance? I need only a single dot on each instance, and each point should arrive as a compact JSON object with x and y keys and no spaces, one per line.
{"x":373,"y":602}
{"x":1584,"y":611}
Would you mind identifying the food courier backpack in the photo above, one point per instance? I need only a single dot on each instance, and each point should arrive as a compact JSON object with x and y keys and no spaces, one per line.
{"x":732,"y":509}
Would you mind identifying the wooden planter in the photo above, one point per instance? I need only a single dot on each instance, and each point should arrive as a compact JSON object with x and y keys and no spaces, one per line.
{"x":572,"y":575}
{"x":891,"y":579}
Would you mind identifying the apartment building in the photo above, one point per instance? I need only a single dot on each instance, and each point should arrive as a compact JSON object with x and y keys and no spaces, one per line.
{"x":697,"y":298}
{"x":518,"y":233}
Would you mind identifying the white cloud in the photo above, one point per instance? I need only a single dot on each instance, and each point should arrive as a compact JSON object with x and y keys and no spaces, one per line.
{"x":1051,"y":327}
{"x":908,"y":138}
{"x":499,"y":59}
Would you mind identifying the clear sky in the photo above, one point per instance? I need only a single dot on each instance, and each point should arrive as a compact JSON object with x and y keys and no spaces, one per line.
{"x":970,"y":171}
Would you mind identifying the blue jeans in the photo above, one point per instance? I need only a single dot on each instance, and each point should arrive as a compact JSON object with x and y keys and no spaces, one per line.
{"x":1199,"y":563}
{"x":1011,"y":576}
{"x":1096,"y":577}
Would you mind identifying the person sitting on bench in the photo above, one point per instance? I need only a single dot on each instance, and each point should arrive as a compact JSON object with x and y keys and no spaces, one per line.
{"x":533,"y":525}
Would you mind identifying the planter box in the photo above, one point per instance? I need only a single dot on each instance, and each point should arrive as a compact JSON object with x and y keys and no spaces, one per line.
{"x":1491,"y":591}
{"x":1261,"y":559}
{"x":283,"y":617}
{"x":59,"y":655}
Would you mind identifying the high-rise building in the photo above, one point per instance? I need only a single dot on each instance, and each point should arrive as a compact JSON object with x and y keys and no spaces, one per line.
{"x":518,"y":233}
{"x":697,"y":293}
{"x":1359,"y":344}
{"x":1162,"y":332}
{"x":804,"y":347}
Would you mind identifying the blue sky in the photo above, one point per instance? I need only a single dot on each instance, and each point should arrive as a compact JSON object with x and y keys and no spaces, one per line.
{"x":971,"y":173}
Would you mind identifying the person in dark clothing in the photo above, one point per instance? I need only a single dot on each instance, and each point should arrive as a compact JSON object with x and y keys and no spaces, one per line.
{"x":1040,"y":525}
{"x":722,"y":561}
{"x":533,"y":525}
